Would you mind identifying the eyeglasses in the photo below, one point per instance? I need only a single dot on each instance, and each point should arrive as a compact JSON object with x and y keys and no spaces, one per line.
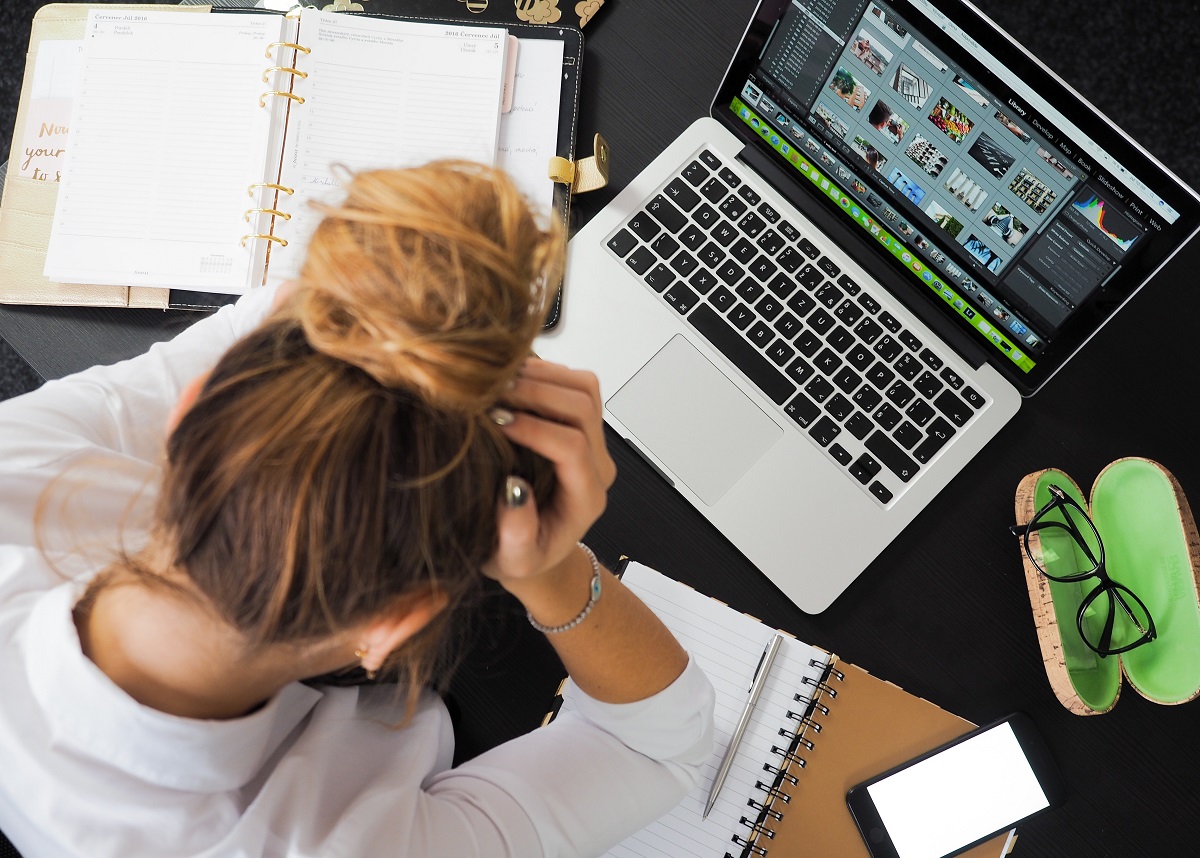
{"x":1098,"y":611}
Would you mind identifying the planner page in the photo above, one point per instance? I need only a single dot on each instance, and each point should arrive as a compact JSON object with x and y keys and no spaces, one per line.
{"x":166,"y":135}
{"x":728,"y":646}
{"x":382,"y":93}
{"x":529,"y":131}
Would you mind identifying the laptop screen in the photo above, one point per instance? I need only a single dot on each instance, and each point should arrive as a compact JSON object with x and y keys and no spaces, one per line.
{"x":987,"y":187}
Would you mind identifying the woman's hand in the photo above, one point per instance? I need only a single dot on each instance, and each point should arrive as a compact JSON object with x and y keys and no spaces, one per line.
{"x":557,"y":412}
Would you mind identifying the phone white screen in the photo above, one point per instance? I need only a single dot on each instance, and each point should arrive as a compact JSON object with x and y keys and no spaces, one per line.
{"x":958,"y":795}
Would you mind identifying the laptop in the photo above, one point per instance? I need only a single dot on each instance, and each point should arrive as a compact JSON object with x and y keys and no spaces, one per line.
{"x":822,"y":300}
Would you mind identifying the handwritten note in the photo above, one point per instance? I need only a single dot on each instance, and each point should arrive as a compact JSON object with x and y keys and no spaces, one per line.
{"x":529,"y":131}
{"x":47,"y":125}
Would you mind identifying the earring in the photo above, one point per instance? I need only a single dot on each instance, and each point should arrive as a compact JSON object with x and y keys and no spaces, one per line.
{"x":360,"y":654}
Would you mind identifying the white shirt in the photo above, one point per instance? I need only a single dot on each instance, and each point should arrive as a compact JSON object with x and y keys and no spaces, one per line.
{"x":85,"y":770}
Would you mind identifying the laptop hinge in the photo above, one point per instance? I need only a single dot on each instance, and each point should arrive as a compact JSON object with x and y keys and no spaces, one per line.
{"x":848,"y":236}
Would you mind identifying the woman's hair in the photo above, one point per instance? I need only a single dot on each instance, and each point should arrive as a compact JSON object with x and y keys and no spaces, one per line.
{"x":341,"y":456}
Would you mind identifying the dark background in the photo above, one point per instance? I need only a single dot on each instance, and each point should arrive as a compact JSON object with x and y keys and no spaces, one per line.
{"x":943,"y":611}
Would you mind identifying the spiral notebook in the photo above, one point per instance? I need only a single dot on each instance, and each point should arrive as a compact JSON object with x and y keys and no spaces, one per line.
{"x":820,"y":727}
{"x":196,"y":141}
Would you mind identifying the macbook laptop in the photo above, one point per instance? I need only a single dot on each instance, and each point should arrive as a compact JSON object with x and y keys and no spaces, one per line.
{"x":822,"y":300}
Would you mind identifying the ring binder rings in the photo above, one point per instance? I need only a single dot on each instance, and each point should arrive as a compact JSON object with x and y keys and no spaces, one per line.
{"x":285,"y":69}
{"x":290,"y":45}
{"x":796,"y":804}
{"x":281,"y":241}
{"x":280,"y":188}
{"x":272,"y":212}
{"x":299,"y":99}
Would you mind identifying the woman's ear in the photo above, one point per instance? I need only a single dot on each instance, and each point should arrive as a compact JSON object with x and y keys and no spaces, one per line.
{"x":187,"y":398}
{"x":407,"y":616}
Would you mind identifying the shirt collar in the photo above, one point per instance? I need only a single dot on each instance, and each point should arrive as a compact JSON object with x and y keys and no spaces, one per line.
{"x":87,"y":714}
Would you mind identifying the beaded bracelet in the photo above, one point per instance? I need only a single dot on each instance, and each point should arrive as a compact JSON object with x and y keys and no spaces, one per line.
{"x":593,"y":598}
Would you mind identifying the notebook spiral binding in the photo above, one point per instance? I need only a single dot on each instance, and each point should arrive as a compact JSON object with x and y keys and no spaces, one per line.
{"x":771,"y":806}
{"x":273,"y":209}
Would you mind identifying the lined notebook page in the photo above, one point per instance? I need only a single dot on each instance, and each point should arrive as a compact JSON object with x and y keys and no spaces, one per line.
{"x":727,"y":645}
{"x":529,"y":131}
{"x":166,"y":135}
{"x":382,"y":93}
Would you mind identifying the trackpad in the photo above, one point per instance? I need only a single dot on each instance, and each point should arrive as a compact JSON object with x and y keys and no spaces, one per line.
{"x":694,"y":419}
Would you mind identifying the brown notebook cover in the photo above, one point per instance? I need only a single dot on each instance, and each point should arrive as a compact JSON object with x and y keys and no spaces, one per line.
{"x":872,"y":726}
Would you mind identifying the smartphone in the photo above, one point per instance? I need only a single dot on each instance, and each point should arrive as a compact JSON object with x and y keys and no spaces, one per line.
{"x":959,"y":795}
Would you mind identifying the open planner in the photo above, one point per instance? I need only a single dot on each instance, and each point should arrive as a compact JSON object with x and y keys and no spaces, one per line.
{"x":196,"y":144}
{"x":820,"y":727}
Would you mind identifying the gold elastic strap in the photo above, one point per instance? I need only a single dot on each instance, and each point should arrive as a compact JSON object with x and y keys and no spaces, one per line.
{"x":586,"y":174}
{"x":262,"y":98}
{"x":285,"y":189}
{"x":296,"y":72}
{"x":273,"y":212}
{"x":282,"y":241}
{"x":293,"y":45}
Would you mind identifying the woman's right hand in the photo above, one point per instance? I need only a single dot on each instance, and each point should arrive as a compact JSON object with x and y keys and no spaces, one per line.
{"x":557,"y":412}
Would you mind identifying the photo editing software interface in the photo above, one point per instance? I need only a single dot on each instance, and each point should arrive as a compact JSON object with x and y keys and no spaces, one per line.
{"x":995,"y":201}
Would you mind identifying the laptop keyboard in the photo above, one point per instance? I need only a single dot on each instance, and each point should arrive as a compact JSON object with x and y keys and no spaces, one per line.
{"x":880,"y":402}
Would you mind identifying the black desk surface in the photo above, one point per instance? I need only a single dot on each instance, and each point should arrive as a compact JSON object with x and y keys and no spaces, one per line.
{"x":943,"y":611}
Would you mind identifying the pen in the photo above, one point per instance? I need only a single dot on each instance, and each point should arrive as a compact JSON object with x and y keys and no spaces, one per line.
{"x":760,"y":679}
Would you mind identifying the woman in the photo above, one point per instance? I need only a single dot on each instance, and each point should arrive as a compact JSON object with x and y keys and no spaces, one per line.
{"x":343,"y":462}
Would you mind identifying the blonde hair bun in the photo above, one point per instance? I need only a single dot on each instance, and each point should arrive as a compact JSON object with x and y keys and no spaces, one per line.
{"x":435,"y":279}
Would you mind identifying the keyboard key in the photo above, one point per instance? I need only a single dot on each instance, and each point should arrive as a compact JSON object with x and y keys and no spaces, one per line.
{"x":886,"y":416}
{"x":880,"y":376}
{"x":712,"y":255}
{"x":880,"y":491}
{"x":867,"y":398}
{"x":713,"y":162}
{"x":744,"y":356}
{"x":847,"y":379}
{"x":714,"y":190}
{"x":703,"y":281}
{"x":684,"y":263}
{"x":665,"y":246}
{"x":953,"y":406}
{"x":848,"y":312}
{"x":908,"y":366}
{"x":860,"y":357}
{"x":789,"y":231}
{"x":827,"y":361}
{"x":771,"y":242}
{"x":818,"y":388}
{"x":644,"y":226}
{"x":820,"y":321}
{"x":782,"y":285}
{"x":641,"y":260}
{"x":973,"y":397}
{"x":920,"y":411}
{"x":859,"y":425}
{"x":808,"y":343}
{"x":800,"y":370}
{"x":840,"y":339}
{"x":954,"y":380}
{"x":900,"y":393}
{"x":810,"y":277}
{"x":681,"y":298}
{"x":692,"y":237}
{"x":729,"y":177}
{"x":695,"y":173}
{"x":802,"y":304}
{"x":743,"y":251}
{"x":803,"y":410}
{"x":763,"y":268}
{"x":722,"y":299}
{"x":809,"y":249}
{"x":840,"y":454}
{"x":830,"y":295}
{"x":824,"y":431}
{"x":780,"y":352}
{"x":887,"y":348}
{"x":730,"y":272}
{"x":787,"y":325}
{"x":666,"y":213}
{"x":790,"y":260}
{"x":894,"y":459}
{"x":724,"y":233}
{"x":868,"y":330}
{"x":682,"y":194}
{"x":749,"y":195}
{"x":889,"y":321}
{"x":907,"y":435}
{"x":749,"y":290}
{"x":706,"y":216}
{"x":865,"y":468}
{"x":827,"y":265}
{"x":659,"y":277}
{"x":752,"y":224}
{"x":869,"y":304}
{"x":769,"y":307}
{"x":928,"y":385}
{"x":768,"y":213}
{"x":935,"y":438}
{"x":931,"y":360}
{"x":849,"y":285}
{"x":760,"y":334}
{"x":732,"y":207}
{"x":910,"y":341}
{"x":623,"y":242}
{"x":741,"y":316}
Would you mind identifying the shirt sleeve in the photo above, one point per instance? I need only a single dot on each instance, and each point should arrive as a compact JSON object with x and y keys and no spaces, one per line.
{"x":582,"y":784}
{"x":106,"y":424}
